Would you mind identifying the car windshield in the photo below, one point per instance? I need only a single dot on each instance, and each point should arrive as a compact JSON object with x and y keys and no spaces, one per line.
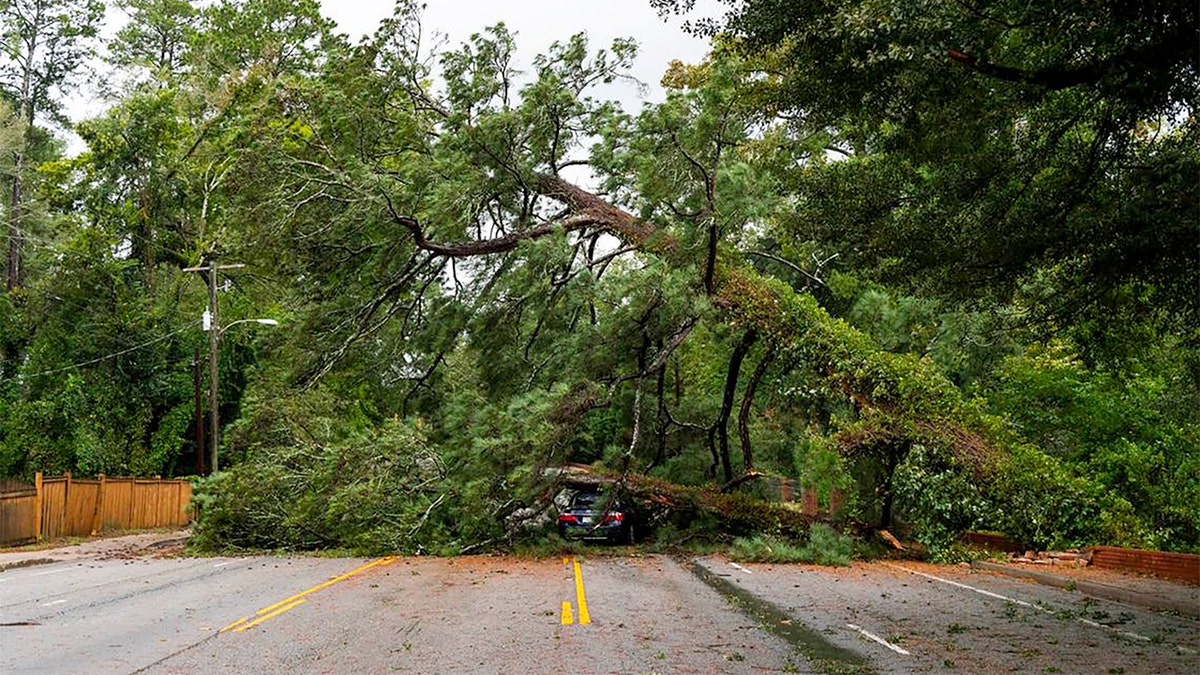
{"x":586,"y":499}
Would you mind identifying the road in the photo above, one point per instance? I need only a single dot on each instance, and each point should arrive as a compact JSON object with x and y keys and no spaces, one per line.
{"x":581,"y":615}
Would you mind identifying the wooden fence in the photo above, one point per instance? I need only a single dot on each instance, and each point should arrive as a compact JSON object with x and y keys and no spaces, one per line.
{"x":66,"y":506}
{"x":18,"y":513}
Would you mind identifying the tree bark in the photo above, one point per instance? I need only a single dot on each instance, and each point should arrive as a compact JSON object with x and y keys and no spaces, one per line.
{"x":660,"y":454}
{"x":718,"y":433}
{"x":14,"y":226}
{"x":747,"y":407}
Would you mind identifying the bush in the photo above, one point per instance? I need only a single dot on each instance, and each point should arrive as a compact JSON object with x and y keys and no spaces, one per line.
{"x":379,"y":491}
{"x":825,"y":546}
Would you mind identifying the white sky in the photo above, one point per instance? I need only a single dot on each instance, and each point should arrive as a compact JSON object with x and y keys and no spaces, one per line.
{"x":538,"y":23}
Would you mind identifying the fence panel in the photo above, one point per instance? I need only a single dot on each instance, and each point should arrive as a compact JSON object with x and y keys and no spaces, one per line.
{"x":118,"y":501}
{"x":73,"y":507}
{"x":54,"y":507}
{"x":81,"y":507}
{"x":18,"y":514}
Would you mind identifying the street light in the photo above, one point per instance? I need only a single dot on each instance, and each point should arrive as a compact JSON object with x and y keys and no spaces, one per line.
{"x":214,"y":335}
{"x":264,"y":322}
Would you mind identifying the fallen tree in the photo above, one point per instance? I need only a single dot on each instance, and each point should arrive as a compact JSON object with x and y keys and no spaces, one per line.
{"x":475,"y":174}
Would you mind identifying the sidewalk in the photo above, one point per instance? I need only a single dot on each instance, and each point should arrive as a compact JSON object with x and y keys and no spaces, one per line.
{"x":101,"y":547}
{"x":1131,"y":589}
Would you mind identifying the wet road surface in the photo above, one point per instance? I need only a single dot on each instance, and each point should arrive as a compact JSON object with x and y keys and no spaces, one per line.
{"x":645,"y":614}
{"x":310,"y":615}
{"x":913,"y":617}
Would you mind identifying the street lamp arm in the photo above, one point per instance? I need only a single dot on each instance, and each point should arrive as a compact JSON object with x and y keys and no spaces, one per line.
{"x":264,"y":322}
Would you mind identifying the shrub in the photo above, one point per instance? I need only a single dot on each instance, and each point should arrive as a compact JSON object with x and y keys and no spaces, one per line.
{"x":825,"y":546}
{"x":373,"y":492}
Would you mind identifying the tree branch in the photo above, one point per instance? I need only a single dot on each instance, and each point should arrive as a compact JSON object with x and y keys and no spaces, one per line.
{"x":789,"y":264}
{"x":1053,"y":79}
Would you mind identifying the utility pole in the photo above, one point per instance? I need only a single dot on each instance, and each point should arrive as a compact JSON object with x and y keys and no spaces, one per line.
{"x":199,"y":413}
{"x":214,"y":336}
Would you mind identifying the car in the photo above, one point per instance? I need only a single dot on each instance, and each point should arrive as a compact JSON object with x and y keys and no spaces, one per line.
{"x":595,"y":516}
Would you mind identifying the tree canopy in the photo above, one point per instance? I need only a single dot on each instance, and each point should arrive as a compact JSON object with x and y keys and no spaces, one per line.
{"x":871,"y":246}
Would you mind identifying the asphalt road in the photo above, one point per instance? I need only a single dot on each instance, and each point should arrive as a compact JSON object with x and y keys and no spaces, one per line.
{"x":912,"y":617}
{"x":588,"y":615}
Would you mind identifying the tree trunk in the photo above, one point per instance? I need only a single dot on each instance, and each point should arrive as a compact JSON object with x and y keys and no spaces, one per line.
{"x":719,"y":432}
{"x":16,"y":233}
{"x":660,"y":454}
{"x":14,"y":226}
{"x":747,"y":406}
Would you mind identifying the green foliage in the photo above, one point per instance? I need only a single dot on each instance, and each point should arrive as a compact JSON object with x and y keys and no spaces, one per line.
{"x":984,"y":146}
{"x":370,"y":491}
{"x":825,"y":546}
{"x":822,"y":468}
{"x":458,"y":320}
{"x":164,"y":443}
{"x":156,"y":37}
{"x":46,"y":45}
{"x":1122,"y":429}
{"x":1027,"y":495}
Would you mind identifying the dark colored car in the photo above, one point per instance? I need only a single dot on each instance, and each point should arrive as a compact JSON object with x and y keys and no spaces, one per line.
{"x":595,"y":516}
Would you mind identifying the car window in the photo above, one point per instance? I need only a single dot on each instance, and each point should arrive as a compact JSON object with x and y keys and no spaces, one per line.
{"x":585,"y":499}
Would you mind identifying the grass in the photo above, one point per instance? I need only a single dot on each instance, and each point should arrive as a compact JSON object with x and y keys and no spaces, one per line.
{"x":825,"y":546}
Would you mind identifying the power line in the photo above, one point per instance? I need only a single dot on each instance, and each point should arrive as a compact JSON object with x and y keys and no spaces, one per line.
{"x":115,"y":354}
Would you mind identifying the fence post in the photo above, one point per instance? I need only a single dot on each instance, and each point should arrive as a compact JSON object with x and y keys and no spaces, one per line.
{"x":98,"y":512}
{"x":66,"y":507}
{"x":37,"y":505}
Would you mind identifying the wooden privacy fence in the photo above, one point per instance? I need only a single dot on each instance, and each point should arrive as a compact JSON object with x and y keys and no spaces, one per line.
{"x":18,"y":512}
{"x":66,"y":506}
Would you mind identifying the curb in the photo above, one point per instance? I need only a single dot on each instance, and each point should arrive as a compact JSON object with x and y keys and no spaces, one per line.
{"x":28,"y":562}
{"x":1095,"y":589}
{"x":163,"y":543}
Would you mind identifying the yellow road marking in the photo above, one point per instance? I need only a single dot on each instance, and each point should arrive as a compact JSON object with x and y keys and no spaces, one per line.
{"x":290,"y":602}
{"x":568,"y":617}
{"x":314,"y":589}
{"x":235,"y":624}
{"x":580,"y":598}
{"x":261,"y":619}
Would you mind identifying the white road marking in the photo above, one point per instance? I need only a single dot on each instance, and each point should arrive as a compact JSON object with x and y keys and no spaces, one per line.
{"x":1086,"y":622}
{"x":56,"y":602}
{"x":739,"y":567}
{"x":969,"y":588}
{"x":876,"y":638}
{"x":221,"y":564}
{"x":42,"y":574}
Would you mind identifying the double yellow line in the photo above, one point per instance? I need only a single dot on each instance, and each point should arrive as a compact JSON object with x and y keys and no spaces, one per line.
{"x":298,"y":599}
{"x":568,"y":614}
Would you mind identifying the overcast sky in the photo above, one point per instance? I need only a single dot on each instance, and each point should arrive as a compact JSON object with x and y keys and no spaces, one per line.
{"x":538,"y":23}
